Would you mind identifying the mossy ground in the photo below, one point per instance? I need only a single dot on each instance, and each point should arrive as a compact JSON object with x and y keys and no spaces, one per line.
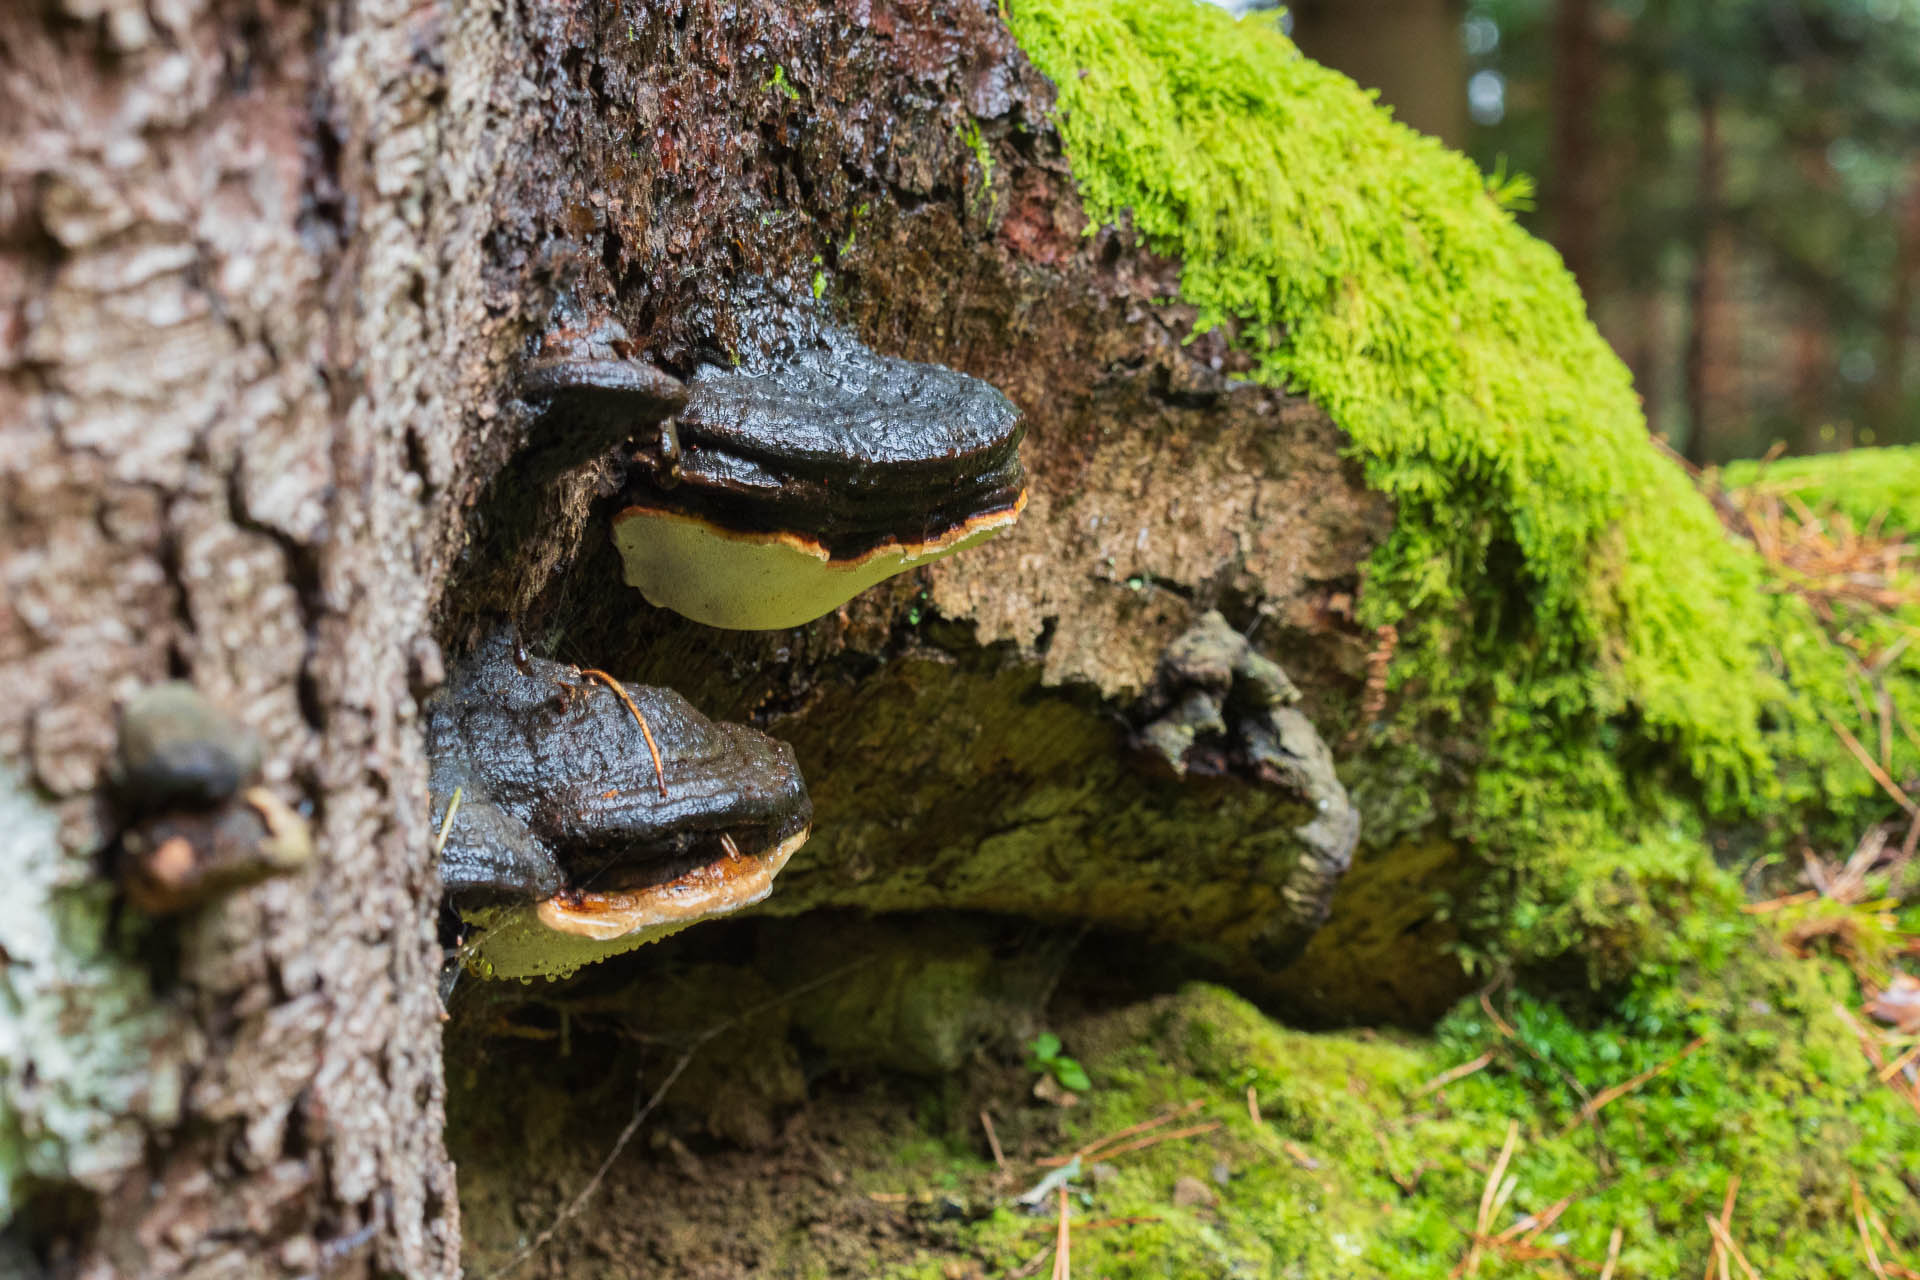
{"x":1353,"y":1170}
{"x":784,"y":1150}
{"x":1566,"y":601}
{"x":1358,"y":1163}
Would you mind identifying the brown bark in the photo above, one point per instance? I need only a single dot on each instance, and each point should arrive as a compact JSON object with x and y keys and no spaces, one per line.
{"x":1811,"y":386}
{"x":1713,"y":369}
{"x":239,"y":278}
{"x":265,"y":273}
{"x":1887,"y":398}
{"x":1574,"y":196}
{"x":1409,"y":50}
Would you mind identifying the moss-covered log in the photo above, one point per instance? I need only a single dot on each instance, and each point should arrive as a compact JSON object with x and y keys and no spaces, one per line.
{"x":1282,"y":361}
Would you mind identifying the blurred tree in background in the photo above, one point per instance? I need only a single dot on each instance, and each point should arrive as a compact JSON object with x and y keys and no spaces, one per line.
{"x":1735,"y":183}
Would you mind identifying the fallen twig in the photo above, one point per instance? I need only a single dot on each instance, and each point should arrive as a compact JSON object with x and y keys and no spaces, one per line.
{"x":1490,"y":1196}
{"x":1567,"y":1078}
{"x":1721,"y":1229}
{"x":1032,"y":1265}
{"x":646,"y":730}
{"x":1866,"y":1236}
{"x":446,"y":823}
{"x":1901,"y":1270}
{"x":1899,"y":1064}
{"x":1613,"y":1254}
{"x":1406,"y":1184}
{"x":1063,"y":1244}
{"x":1452,"y":1074}
{"x":1088,"y":1152}
{"x":1868,"y":1045}
{"x":1532,"y":1225}
{"x":1155,"y":1139}
{"x":993,"y":1141}
{"x":1873,"y":768}
{"x":1723,"y":1239}
{"x":1299,"y":1154}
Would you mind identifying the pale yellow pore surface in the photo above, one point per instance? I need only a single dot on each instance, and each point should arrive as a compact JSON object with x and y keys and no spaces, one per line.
{"x":764,"y":581}
{"x":551,"y":939}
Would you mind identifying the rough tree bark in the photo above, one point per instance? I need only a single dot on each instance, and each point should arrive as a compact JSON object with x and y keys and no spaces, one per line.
{"x":244,"y":343}
{"x":1713,"y":345}
{"x":1886,"y":399}
{"x":265,"y":275}
{"x":1575,"y":194}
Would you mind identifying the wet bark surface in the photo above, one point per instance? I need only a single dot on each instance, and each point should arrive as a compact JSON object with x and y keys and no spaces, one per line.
{"x":268,"y":278}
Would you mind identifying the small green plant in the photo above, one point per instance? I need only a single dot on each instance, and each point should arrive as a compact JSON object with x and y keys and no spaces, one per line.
{"x":1513,"y":192}
{"x":982,"y":196}
{"x":778,"y":80}
{"x":1047,"y":1059}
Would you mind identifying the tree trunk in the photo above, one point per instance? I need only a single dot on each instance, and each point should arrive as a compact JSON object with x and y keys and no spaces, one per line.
{"x":240,"y":248}
{"x":1887,"y":401}
{"x":1713,"y":370}
{"x":1811,"y":388}
{"x":1573,"y":198}
{"x":1410,"y":50}
{"x":265,"y":275}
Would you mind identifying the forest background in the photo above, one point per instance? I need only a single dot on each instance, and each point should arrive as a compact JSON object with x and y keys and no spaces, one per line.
{"x":1735,"y":185}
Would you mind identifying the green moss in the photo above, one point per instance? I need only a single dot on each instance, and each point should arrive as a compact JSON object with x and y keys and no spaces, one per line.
{"x":982,"y":156}
{"x":1776,"y":1092}
{"x":1566,"y":601}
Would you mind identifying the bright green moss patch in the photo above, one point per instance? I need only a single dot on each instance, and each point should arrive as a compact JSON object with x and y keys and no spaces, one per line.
{"x":1353,"y":1170}
{"x":1575,"y":625}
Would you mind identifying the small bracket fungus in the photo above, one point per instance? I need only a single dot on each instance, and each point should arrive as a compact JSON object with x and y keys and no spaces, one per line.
{"x":808,"y":472}
{"x":562,"y":849}
{"x":1218,"y":707}
{"x":589,"y":398}
{"x":591,"y":406}
{"x":195,"y":829}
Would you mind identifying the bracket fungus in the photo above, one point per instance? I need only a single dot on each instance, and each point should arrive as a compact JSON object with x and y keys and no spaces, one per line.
{"x":195,"y":829}
{"x":801,"y":475}
{"x":590,"y":405}
{"x":760,"y":495}
{"x":561,"y":848}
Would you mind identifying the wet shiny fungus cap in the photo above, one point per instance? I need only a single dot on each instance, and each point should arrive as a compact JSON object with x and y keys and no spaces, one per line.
{"x":568,"y":842}
{"x":588,"y":406}
{"x":809,"y":474}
